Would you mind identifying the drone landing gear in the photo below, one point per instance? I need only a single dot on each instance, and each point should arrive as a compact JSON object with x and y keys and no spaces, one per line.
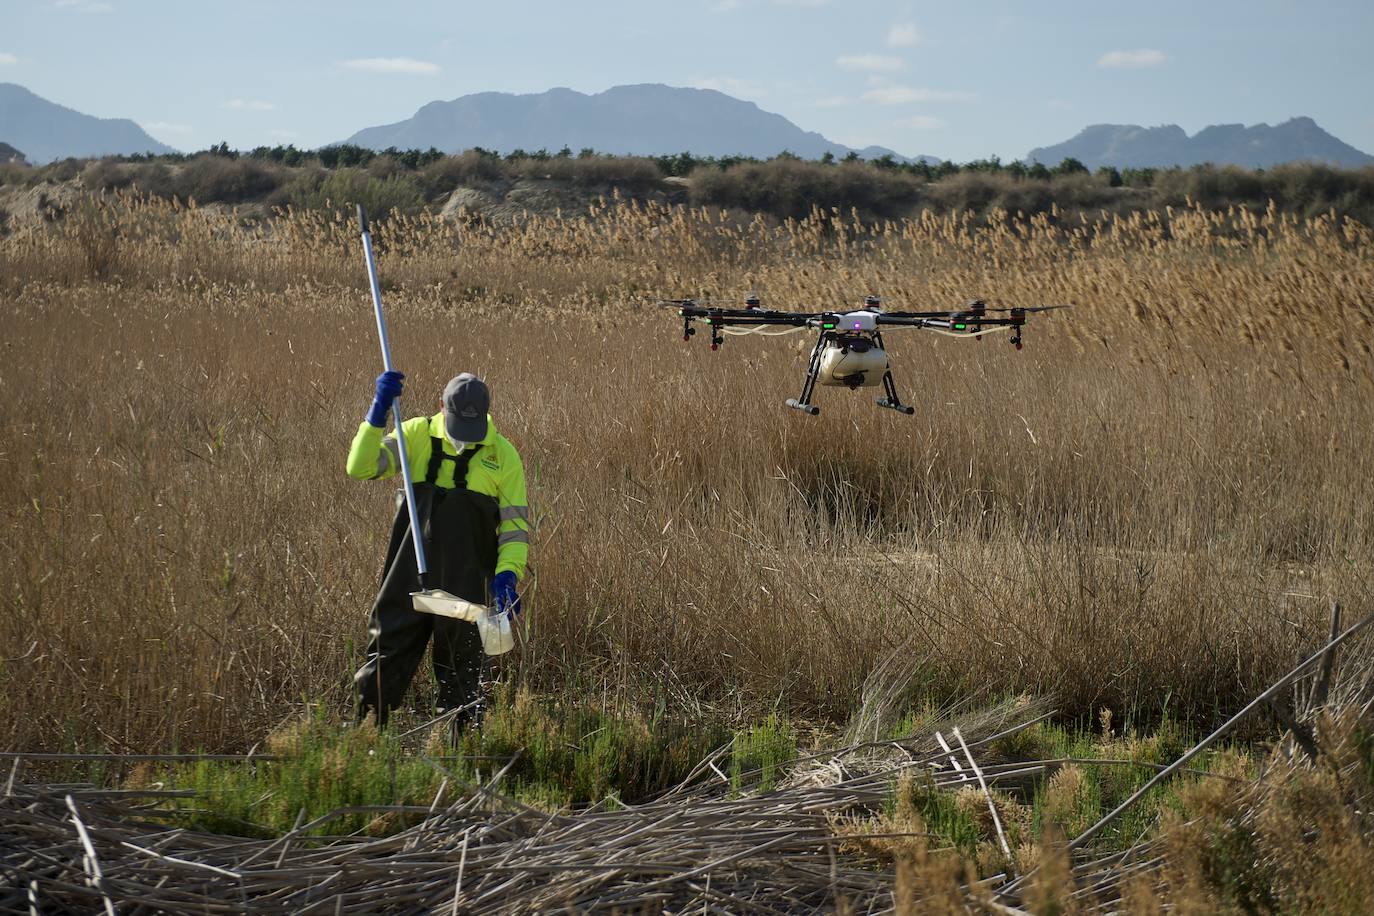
{"x":892,"y":401}
{"x":813,"y":368}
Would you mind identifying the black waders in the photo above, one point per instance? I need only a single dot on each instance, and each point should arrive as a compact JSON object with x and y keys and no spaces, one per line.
{"x":460,"y":545}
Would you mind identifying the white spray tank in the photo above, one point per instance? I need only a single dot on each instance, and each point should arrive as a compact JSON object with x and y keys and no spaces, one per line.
{"x":853,"y":359}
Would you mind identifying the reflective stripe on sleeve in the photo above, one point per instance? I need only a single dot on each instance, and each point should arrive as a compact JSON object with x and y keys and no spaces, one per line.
{"x":522,"y":513}
{"x":513,"y":537}
{"x":386,"y":456}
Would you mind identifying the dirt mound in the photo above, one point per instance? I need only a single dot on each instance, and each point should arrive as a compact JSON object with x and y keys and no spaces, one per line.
{"x":509,"y":202}
{"x":45,"y":201}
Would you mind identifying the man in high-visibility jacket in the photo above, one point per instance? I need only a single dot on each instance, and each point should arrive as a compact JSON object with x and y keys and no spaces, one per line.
{"x":470,"y":493}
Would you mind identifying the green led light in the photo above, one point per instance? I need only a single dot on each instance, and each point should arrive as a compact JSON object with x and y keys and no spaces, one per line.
{"x":828,"y":327}
{"x":959,"y":326}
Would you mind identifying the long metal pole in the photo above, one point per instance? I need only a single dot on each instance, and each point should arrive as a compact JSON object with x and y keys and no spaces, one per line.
{"x":416,"y":534}
{"x":1210,"y":739}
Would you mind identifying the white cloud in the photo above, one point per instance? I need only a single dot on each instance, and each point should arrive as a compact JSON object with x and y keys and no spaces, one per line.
{"x":164,"y":127}
{"x":905,"y":95}
{"x":7,"y":59}
{"x":922,"y":122}
{"x":903,"y":35}
{"x":831,"y":101}
{"x":1132,"y":60}
{"x":883,"y":63}
{"x":740,"y":88}
{"x":404,"y":65}
{"x":250,"y":105}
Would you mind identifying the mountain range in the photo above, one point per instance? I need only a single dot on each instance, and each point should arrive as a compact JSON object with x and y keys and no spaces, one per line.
{"x":647,"y":119}
{"x":1257,"y":147}
{"x":44,"y":131}
{"x":653,"y":119}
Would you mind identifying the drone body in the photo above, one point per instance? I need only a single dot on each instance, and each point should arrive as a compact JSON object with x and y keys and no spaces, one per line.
{"x":849,"y":349}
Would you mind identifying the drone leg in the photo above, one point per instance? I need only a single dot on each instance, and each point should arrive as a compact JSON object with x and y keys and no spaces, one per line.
{"x":892,"y":401}
{"x":803,"y":403}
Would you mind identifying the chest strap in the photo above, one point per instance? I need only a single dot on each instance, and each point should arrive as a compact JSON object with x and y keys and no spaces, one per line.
{"x":460,"y":464}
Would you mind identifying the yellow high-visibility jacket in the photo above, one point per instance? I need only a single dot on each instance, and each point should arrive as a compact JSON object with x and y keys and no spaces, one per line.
{"x":495,"y":469}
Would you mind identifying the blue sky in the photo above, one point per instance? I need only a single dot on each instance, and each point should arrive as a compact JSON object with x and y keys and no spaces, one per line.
{"x":959,"y":81}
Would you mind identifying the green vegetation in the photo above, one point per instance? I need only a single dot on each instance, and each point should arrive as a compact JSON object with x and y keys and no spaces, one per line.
{"x":761,"y":754}
{"x":548,"y":753}
{"x":555,"y":755}
{"x":784,"y":186}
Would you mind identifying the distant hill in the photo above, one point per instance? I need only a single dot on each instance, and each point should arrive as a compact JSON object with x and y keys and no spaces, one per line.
{"x":10,"y":154}
{"x":46,"y":131}
{"x":1261,"y":146}
{"x":648,"y":119}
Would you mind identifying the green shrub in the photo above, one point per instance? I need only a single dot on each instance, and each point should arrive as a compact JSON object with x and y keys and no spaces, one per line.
{"x":472,"y":167}
{"x":106,"y":175}
{"x":761,"y":753}
{"x":621,"y":171}
{"x":343,"y":188}
{"x":215,"y":178}
{"x":792,"y":188}
{"x":16,"y":173}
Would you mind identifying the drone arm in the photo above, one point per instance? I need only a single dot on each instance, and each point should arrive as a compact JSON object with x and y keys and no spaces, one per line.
{"x":719,"y":319}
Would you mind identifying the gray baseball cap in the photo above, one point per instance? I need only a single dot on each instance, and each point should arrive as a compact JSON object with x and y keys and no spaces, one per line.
{"x":466,"y":402}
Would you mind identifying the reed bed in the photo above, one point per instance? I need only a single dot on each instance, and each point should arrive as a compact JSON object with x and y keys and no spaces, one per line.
{"x":1141,"y":518}
{"x":1146,"y":510}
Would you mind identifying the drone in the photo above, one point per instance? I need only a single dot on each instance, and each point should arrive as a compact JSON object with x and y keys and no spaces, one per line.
{"x":849,"y":349}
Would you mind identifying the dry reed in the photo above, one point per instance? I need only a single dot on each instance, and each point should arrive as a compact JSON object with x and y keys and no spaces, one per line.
{"x":1147,"y":509}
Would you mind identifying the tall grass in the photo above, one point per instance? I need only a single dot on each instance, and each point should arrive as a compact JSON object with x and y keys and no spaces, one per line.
{"x":1146,"y":510}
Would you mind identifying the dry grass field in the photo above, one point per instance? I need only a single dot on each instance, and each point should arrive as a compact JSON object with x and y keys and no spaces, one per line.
{"x":1147,"y":511}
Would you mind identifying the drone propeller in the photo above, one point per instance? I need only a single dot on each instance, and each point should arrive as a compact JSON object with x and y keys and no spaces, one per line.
{"x":750,"y":301}
{"x":1032,"y":308}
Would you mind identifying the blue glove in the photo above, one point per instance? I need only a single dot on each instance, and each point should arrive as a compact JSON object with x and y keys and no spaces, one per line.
{"x":503,"y":595}
{"x":388,"y":390}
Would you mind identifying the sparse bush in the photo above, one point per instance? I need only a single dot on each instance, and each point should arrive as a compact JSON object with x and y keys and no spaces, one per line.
{"x":791,"y":188}
{"x":342,"y":189}
{"x":631,"y":172}
{"x":217,"y":178}
{"x":1305,"y":189}
{"x":16,"y":173}
{"x":106,"y":175}
{"x":472,"y":167}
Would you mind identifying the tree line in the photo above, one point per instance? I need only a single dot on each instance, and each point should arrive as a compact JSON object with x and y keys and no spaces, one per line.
{"x":782,"y":186}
